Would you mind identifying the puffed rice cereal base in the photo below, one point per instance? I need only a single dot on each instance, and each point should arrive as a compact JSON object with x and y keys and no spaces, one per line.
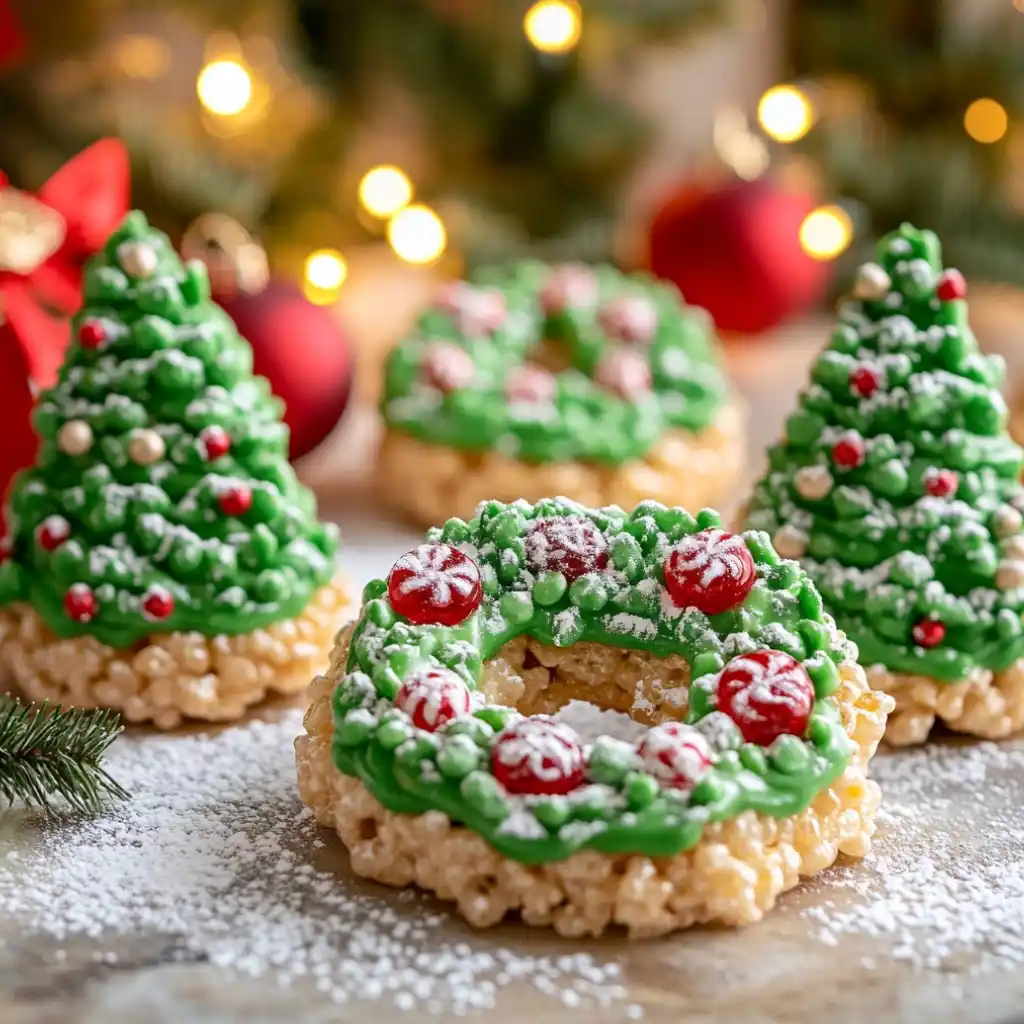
{"x":175,"y":676}
{"x":431,"y":482}
{"x":987,"y":704}
{"x":733,"y":875}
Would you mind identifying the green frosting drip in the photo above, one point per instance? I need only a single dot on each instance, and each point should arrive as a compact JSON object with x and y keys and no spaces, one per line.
{"x":583,"y":421}
{"x":885,"y":551}
{"x":620,"y":808}
{"x":171,"y":363}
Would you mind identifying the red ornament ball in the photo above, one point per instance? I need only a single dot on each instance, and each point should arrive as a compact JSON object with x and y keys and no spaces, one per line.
{"x":435,"y":584}
{"x":432,"y":697}
{"x":80,"y":603}
{"x":864,"y":381}
{"x":157,"y":604}
{"x":735,"y":250}
{"x":304,"y":352}
{"x":849,"y":453}
{"x":712,"y":571}
{"x":538,"y":756}
{"x":952,"y":285}
{"x":216,"y":442}
{"x":91,"y":334}
{"x":767,"y":694}
{"x":52,"y":532}
{"x":928,"y":632}
{"x":571,"y":545}
{"x":235,"y":501}
{"x":941,"y":483}
{"x":677,"y":755}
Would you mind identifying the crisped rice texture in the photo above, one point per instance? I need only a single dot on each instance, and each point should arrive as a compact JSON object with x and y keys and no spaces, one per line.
{"x":733,"y":875}
{"x":175,"y":676}
{"x":986,"y":704}
{"x":431,"y":482}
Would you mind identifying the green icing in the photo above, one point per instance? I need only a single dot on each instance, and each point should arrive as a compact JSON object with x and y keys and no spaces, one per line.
{"x":883,"y":551}
{"x":620,"y":808}
{"x":583,"y":421}
{"x":172,"y":363}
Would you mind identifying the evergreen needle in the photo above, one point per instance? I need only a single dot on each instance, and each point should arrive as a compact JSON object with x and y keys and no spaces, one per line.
{"x":48,"y":752}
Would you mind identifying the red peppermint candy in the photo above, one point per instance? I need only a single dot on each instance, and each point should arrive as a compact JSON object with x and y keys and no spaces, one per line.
{"x":447,"y":366}
{"x":52,"y":532}
{"x":952,"y":285}
{"x":711,"y":570}
{"x":216,"y":442}
{"x":571,"y":545}
{"x":538,"y":756}
{"x":677,"y":755}
{"x":158,"y":603}
{"x":849,"y":453}
{"x":625,"y":373}
{"x":432,"y":697}
{"x":941,"y":483}
{"x":864,"y":381}
{"x":531,"y":384}
{"x":235,"y":501}
{"x":629,"y":318}
{"x":91,"y":334}
{"x":767,"y":694}
{"x":570,"y":286}
{"x":928,"y":632}
{"x":435,"y":584}
{"x":80,"y":603}
{"x":477,"y":311}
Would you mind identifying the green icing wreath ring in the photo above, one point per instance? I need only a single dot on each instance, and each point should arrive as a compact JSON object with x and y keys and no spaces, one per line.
{"x":762,"y":730}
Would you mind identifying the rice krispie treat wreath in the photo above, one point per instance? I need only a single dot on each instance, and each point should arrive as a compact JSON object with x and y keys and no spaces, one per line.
{"x":448,"y":742}
{"x":161,"y":558}
{"x":557,"y":380}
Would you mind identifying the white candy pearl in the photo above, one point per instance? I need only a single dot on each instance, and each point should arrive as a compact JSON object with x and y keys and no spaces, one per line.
{"x":790,"y":542}
{"x":146,"y":447}
{"x":137,"y":259}
{"x":75,"y":437}
{"x":1007,"y":521}
{"x":872,"y":282}
{"x":1010,"y":575}
{"x":813,"y":482}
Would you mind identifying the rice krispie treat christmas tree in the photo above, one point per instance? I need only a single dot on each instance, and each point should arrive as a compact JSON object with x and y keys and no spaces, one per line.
{"x":161,"y":557}
{"x":898,"y":488}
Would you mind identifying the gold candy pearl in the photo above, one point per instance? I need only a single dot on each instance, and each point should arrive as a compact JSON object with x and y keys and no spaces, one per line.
{"x":146,"y":447}
{"x":790,"y":542}
{"x":1007,"y":521}
{"x":1010,"y":575}
{"x":137,"y":259}
{"x":1012,"y":548}
{"x":872,"y":282}
{"x":75,"y":437}
{"x":813,"y":482}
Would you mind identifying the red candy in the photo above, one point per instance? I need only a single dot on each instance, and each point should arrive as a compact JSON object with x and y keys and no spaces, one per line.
{"x":767,"y":694}
{"x":91,"y":334}
{"x":625,"y":373}
{"x":712,"y":571}
{"x":435,"y":584}
{"x":157,"y":604}
{"x":677,"y":755}
{"x":849,"y":453}
{"x":864,"y":381}
{"x":538,"y":756}
{"x":80,"y":603}
{"x":952,"y":285}
{"x":571,"y":545}
{"x":52,"y":532}
{"x":941,"y":483}
{"x":928,"y":633}
{"x":447,"y":367}
{"x":569,"y":286}
{"x":629,"y":318}
{"x":476,"y":311}
{"x":235,"y":501}
{"x":432,"y":697}
{"x":531,"y":384}
{"x":216,"y":441}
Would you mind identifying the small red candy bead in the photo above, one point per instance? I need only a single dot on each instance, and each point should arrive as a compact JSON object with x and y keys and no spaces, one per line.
{"x":677,"y":755}
{"x":435,"y":584}
{"x":712,"y":571}
{"x":538,"y":756}
{"x":80,"y":603}
{"x":447,"y":366}
{"x":624,"y":372}
{"x":941,"y":483}
{"x":952,"y":285}
{"x":531,"y":384}
{"x":569,"y":286}
{"x":629,"y":318}
{"x":216,"y":442}
{"x":157,"y":604}
{"x":928,"y":632}
{"x":235,"y":501}
{"x":52,"y":532}
{"x":849,"y":453}
{"x":864,"y":381}
{"x":432,"y":697}
{"x":767,"y":694}
{"x":571,"y":545}
{"x":91,"y":334}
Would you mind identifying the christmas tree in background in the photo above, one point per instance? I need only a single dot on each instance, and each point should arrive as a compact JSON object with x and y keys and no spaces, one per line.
{"x":896,"y":484}
{"x":162,"y":499}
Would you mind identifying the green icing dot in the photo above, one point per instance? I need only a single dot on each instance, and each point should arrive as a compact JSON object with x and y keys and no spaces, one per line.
{"x":789,"y":755}
{"x":458,"y":757}
{"x":483,"y":793}
{"x":516,"y":607}
{"x":549,"y":588}
{"x":640,"y":790}
{"x":589,"y":592}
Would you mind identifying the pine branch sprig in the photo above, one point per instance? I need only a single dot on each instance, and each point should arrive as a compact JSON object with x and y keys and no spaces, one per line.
{"x":48,"y":752}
